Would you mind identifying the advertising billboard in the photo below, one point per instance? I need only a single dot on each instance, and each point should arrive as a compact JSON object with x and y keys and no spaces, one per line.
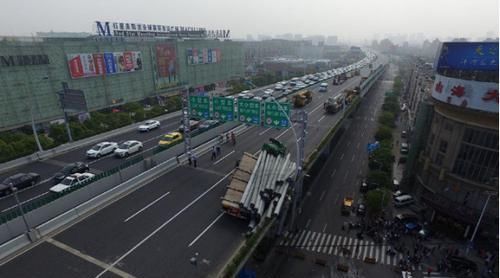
{"x":466,"y":93}
{"x":203,"y":56}
{"x":468,"y":56}
{"x":97,"y":64}
{"x":166,"y":60}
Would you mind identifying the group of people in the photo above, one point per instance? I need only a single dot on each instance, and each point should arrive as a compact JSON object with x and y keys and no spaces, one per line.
{"x":216,"y":149}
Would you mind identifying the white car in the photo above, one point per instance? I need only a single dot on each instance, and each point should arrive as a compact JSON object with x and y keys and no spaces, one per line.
{"x":149,"y":125}
{"x":128,"y":147}
{"x":101,"y":149}
{"x":70,"y":181}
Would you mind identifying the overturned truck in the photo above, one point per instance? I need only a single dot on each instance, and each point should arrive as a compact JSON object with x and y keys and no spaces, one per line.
{"x":259,"y":185}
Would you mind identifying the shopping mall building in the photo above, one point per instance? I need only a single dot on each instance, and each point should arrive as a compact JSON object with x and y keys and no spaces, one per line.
{"x":122,"y":62}
{"x":455,"y":141}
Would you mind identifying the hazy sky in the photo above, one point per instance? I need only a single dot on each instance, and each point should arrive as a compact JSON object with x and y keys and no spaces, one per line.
{"x":349,"y":19}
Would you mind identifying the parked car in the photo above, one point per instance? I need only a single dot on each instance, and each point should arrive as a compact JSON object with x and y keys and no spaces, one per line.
{"x":19,"y":181}
{"x":128,"y":147}
{"x":361,"y":210}
{"x":403,"y":200}
{"x":149,"y":125}
{"x":101,"y":149}
{"x":404,"y":148}
{"x":72,"y":168}
{"x":70,"y":181}
{"x":170,"y":139}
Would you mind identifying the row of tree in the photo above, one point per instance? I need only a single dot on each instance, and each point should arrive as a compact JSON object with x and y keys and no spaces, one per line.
{"x":21,"y":142}
{"x":381,"y":160}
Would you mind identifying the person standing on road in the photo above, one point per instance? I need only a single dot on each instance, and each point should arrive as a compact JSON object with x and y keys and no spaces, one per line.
{"x":190,"y":158}
{"x":217,"y":149}
{"x":214,"y":154}
{"x":195,"y":161}
{"x":233,"y":138}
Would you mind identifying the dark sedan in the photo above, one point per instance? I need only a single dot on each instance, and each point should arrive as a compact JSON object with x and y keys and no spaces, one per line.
{"x":19,"y":181}
{"x":72,"y":168}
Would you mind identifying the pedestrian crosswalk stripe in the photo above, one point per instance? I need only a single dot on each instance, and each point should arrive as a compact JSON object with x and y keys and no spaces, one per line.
{"x":383,"y":258}
{"x":310,"y":241}
{"x":316,"y":242}
{"x":295,"y":242}
{"x":321,"y":243}
{"x":354,"y":251}
{"x":334,"y":240}
{"x":327,"y":243}
{"x":304,"y":240}
{"x":332,"y":244}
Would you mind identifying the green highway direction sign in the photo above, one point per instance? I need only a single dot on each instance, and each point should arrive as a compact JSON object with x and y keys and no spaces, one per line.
{"x":223,"y":108}
{"x":274,"y":116}
{"x":249,"y":111}
{"x":199,"y":106}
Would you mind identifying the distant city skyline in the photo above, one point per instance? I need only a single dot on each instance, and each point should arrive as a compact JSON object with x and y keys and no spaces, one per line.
{"x":352,"y":21}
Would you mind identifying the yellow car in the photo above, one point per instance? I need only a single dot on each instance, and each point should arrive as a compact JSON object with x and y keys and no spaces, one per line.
{"x":170,"y":139}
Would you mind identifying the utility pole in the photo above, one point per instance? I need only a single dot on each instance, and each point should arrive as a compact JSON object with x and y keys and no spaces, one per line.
{"x":301,"y":119}
{"x":185,"y":121}
{"x":66,"y":120}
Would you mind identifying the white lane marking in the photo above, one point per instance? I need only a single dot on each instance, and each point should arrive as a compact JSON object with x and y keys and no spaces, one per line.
{"x":298,"y":140}
{"x":353,"y":156}
{"x":144,"y":208}
{"x":163,"y":225}
{"x":321,"y":119}
{"x":308,"y":223}
{"x":341,"y":156}
{"x":357,"y":146}
{"x":324,"y":227}
{"x":222,"y":158}
{"x":354,"y":249}
{"x":264,"y":131}
{"x":87,"y":258}
{"x":322,"y":195}
{"x":333,"y":173}
{"x":365,"y":252}
{"x":316,"y":108}
{"x":206,"y":229}
{"x":25,"y":201}
{"x":283,"y":133}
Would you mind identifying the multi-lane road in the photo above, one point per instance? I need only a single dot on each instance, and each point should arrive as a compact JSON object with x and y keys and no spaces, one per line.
{"x":157,"y":229}
{"x":319,"y":227}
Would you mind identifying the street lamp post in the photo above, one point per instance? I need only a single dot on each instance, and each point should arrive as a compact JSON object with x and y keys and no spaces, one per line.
{"x":471,"y":241}
{"x":299,"y":143}
{"x":14,"y":191}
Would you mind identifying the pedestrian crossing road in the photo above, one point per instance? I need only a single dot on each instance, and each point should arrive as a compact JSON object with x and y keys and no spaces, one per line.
{"x":340,"y":245}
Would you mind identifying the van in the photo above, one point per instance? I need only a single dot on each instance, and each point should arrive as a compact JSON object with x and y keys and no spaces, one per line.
{"x":403,"y":200}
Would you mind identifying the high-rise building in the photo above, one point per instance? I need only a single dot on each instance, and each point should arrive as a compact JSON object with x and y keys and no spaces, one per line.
{"x":453,"y":160}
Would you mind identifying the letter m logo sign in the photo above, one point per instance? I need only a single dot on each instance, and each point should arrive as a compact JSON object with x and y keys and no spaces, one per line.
{"x":103,"y":30}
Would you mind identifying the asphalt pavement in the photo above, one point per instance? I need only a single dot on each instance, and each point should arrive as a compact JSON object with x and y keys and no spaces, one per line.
{"x":156,"y":230}
{"x":319,"y":232}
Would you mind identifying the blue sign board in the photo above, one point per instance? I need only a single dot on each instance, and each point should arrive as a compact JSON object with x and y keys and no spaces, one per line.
{"x":468,"y":56}
{"x":109,"y":61}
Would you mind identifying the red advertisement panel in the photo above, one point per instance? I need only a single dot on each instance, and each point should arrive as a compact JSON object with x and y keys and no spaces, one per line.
{"x":166,"y":61}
